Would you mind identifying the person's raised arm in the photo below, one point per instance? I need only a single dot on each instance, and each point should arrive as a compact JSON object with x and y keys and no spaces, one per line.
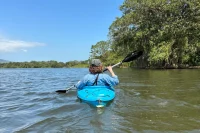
{"x":111,"y":71}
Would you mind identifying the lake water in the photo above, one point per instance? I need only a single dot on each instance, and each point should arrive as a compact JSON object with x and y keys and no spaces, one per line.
{"x":147,"y":101}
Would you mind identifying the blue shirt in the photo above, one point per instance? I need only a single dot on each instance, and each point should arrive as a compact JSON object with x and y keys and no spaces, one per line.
{"x":103,"y":80}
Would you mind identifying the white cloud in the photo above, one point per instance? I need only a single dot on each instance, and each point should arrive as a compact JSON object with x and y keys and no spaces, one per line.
{"x":7,"y":45}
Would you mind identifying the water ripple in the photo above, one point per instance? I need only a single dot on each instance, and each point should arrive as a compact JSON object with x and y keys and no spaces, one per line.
{"x":146,"y":101}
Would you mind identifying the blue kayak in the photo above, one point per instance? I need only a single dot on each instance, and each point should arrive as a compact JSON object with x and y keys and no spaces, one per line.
{"x":98,"y":96}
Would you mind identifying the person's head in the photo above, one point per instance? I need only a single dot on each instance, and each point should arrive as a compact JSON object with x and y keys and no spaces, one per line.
{"x":95,"y":66}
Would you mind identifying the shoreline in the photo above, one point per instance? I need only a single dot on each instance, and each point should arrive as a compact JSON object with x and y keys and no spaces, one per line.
{"x":191,"y":67}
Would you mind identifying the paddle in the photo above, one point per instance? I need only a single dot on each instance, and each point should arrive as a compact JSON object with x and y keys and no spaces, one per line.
{"x":130,"y":57}
{"x":64,"y":91}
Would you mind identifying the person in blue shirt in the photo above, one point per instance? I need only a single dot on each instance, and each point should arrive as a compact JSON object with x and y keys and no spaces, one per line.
{"x":97,"y":77}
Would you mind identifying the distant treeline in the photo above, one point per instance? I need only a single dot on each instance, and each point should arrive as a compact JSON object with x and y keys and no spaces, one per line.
{"x":45,"y":64}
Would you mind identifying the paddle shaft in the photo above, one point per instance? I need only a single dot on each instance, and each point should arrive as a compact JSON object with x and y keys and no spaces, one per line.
{"x":70,"y":87}
{"x":113,"y":66}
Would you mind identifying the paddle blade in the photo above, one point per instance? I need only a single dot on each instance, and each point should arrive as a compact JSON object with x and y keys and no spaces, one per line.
{"x":66,"y":90}
{"x":132,"y":56}
{"x":61,"y":91}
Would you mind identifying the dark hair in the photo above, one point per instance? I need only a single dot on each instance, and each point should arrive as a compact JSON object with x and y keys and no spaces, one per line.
{"x":96,"y":69}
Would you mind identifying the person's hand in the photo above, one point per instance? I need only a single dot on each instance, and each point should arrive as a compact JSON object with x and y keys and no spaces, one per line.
{"x":110,"y":70}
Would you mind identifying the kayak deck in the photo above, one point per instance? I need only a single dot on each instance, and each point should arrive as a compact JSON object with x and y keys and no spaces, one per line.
{"x":98,"y":96}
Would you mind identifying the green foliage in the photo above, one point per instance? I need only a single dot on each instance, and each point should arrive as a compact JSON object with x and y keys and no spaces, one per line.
{"x":167,"y":31}
{"x":99,"y":49}
{"x":43,"y":64}
{"x":102,"y":50}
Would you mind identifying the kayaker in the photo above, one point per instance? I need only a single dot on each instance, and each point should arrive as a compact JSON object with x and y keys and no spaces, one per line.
{"x":97,"y":77}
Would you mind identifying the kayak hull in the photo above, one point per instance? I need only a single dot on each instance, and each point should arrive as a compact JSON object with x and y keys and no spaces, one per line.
{"x":98,"y":96}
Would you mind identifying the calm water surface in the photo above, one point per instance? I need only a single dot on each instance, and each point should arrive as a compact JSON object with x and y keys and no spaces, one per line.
{"x":147,"y":101}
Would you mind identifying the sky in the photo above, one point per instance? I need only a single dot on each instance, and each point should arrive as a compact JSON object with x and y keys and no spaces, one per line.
{"x":61,"y":30}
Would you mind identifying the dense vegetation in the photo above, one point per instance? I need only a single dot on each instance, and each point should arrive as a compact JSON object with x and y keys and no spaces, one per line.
{"x":168,"y":31}
{"x":44,"y":64}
